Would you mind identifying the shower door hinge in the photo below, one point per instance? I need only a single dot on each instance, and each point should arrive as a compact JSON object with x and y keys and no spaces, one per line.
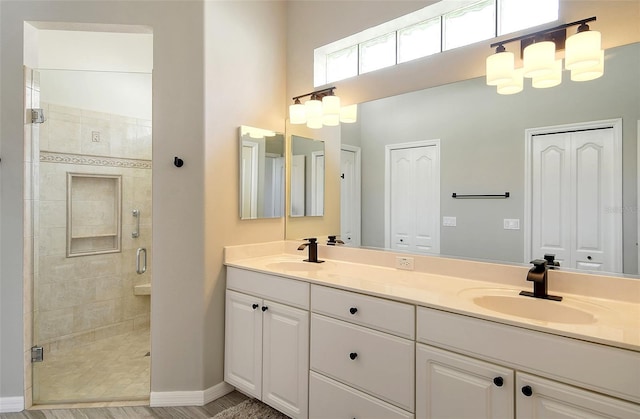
{"x":37,"y":354}
{"x":37,"y":116}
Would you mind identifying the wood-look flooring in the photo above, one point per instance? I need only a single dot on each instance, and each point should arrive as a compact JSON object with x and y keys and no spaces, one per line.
{"x":133,"y":412}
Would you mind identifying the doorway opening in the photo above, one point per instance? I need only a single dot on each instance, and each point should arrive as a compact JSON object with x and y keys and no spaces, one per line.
{"x":412,"y":196}
{"x":91,"y":209}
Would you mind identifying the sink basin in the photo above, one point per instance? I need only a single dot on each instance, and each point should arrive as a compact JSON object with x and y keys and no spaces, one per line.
{"x":295,"y":266}
{"x":510,"y":303}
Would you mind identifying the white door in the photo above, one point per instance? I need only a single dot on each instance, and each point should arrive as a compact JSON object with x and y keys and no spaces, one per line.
{"x":350,"y":195}
{"x":413,"y":197}
{"x":454,"y":386}
{"x":249,"y":179}
{"x":285,"y":380}
{"x":297,"y":185}
{"x":540,"y":398}
{"x":273,"y":186}
{"x":575,"y":190}
{"x":317,"y":183}
{"x":243,"y":343}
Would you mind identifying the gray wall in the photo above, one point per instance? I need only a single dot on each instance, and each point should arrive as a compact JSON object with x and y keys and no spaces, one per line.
{"x":178,"y":130}
{"x":482,"y":150}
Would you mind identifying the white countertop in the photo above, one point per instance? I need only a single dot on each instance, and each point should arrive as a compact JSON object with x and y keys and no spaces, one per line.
{"x":614,"y":323}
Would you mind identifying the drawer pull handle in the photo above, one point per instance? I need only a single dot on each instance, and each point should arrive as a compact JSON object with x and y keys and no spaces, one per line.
{"x":353,"y":355}
{"x":265,"y":308}
{"x":254,"y":306}
{"x":498,"y":381}
{"x":527,"y":391}
{"x":353,"y":310}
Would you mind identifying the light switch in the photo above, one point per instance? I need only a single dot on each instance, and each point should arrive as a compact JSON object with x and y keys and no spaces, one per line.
{"x":449,"y":221}
{"x":512,"y":224}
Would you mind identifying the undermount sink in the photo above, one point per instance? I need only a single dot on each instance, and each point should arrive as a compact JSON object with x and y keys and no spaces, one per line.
{"x":511,"y":303}
{"x":299,"y":266}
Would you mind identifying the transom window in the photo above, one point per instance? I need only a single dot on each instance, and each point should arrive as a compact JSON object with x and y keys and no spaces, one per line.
{"x":440,"y":27}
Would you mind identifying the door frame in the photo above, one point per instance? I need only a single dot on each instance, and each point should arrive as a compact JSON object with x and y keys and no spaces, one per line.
{"x":387,"y":183}
{"x":616,"y":125}
{"x":317,"y":183}
{"x":357,"y":198}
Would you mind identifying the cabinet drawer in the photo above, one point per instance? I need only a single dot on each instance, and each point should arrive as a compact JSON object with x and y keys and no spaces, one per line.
{"x":329,"y":399}
{"x":601,"y":368}
{"x":372,"y":361}
{"x":377,"y":313}
{"x":275,"y":288}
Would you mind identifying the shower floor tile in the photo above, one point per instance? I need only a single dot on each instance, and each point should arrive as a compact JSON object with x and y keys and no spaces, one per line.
{"x":109,"y":369}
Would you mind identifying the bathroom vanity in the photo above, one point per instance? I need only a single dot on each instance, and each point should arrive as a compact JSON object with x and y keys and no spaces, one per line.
{"x":353,"y":337}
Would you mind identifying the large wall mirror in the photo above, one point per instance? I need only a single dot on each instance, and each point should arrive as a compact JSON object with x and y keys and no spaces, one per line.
{"x":307,"y":177}
{"x":466,"y":139}
{"x":262,"y":173}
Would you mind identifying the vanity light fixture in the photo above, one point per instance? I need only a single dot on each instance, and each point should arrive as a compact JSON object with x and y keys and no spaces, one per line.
{"x":322,"y":109}
{"x":584,"y":58}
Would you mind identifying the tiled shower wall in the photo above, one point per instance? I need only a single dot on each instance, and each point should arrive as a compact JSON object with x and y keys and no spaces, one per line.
{"x":85,"y":298}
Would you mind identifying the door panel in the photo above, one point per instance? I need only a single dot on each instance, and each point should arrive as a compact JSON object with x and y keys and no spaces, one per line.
{"x":349,"y":198}
{"x":415,"y":199}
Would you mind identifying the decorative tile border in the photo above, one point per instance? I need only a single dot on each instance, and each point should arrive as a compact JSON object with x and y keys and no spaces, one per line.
{"x":51,"y":157}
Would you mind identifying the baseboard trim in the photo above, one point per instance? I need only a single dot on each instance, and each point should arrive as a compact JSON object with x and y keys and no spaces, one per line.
{"x":12,"y":404}
{"x":189,"y":398}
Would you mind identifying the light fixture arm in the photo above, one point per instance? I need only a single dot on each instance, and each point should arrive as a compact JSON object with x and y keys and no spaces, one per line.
{"x":582,"y":23}
{"x":319,"y":94}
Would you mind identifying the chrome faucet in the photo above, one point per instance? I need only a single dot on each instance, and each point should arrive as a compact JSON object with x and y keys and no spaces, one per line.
{"x":539,"y":276}
{"x":312,"y":244}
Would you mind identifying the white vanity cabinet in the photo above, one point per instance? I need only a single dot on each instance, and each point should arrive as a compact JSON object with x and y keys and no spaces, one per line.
{"x":362,"y":356}
{"x":267,"y":339}
{"x":457,"y":379}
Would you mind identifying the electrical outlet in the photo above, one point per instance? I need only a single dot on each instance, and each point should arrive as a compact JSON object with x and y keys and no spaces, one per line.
{"x":449,"y":221}
{"x":512,"y":224}
{"x":403,"y":262}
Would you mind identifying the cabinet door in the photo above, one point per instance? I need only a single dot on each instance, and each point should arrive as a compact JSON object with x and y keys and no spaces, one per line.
{"x":455,"y":386}
{"x":540,"y":398}
{"x":285,"y":381}
{"x":243,"y":343}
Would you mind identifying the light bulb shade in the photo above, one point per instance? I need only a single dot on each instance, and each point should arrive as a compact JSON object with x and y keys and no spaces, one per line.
{"x":313,"y":109}
{"x":349,"y":114}
{"x":500,"y":68}
{"x":513,"y":86}
{"x":539,"y":59}
{"x":331,"y":105}
{"x":314,"y":122}
{"x":582,"y":50}
{"x":297,"y":114}
{"x":589,"y":73}
{"x":549,"y":80}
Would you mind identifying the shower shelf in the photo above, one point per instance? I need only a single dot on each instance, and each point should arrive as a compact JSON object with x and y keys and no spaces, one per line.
{"x":93,"y":236}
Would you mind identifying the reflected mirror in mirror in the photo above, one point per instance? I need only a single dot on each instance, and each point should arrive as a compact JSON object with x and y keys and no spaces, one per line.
{"x":262,"y":172}
{"x":482,"y":140}
{"x":307,"y":177}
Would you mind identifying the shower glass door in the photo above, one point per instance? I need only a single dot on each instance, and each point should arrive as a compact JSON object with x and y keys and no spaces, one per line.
{"x":92,"y":214}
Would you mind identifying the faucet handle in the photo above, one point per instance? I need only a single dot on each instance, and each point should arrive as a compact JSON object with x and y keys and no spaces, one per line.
{"x":311,"y":240}
{"x":539,"y":263}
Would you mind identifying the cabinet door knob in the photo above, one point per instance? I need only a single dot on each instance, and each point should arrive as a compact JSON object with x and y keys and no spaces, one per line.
{"x":265,"y":308}
{"x":527,"y":391}
{"x":353,"y":355}
{"x":498,"y":381}
{"x":254,"y":306}
{"x":353,"y":310}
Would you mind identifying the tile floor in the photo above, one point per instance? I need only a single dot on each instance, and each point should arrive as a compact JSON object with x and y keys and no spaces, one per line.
{"x":110,"y":369}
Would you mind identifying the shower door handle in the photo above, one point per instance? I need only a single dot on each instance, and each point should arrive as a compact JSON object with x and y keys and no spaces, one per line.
{"x":141,"y":260}
{"x":136,"y":232}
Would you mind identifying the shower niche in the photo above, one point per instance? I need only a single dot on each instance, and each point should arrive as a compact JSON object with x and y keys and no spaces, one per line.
{"x":94,"y":214}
